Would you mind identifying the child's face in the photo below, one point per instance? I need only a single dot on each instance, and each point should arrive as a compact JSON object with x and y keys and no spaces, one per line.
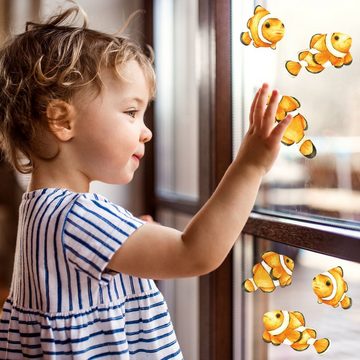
{"x":110,"y":133}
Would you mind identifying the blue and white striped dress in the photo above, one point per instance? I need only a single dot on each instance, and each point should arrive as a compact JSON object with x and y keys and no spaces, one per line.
{"x":63,"y":303}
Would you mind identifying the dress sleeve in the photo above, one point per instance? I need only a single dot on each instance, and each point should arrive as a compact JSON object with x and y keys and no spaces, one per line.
{"x":93,"y":231}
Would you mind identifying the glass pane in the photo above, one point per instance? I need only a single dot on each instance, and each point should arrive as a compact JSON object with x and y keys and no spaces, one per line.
{"x":338,"y":325}
{"x":329,"y":184}
{"x":176,"y":105}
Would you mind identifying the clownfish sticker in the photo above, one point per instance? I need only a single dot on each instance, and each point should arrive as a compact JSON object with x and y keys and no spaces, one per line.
{"x":275,"y":270}
{"x":331,"y":288}
{"x":264,"y":30}
{"x":295,"y":131}
{"x":288,"y":327}
{"x":325,"y":49}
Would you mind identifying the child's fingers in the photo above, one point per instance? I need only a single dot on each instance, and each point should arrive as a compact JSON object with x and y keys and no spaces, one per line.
{"x":252,"y":109}
{"x":260,"y":105}
{"x":269,"y":115}
{"x":279,"y":130}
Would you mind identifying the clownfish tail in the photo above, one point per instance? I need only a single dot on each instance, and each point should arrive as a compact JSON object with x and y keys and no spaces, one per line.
{"x":249,"y":285}
{"x":346,"y":303}
{"x":245,"y":38}
{"x":321,"y":345}
{"x":293,"y":67}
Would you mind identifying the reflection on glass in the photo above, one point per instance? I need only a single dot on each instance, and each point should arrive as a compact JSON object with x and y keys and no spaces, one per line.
{"x":329,"y":184}
{"x":176,"y":105}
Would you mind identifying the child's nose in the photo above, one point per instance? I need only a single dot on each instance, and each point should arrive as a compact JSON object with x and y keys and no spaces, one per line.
{"x":146,"y":135}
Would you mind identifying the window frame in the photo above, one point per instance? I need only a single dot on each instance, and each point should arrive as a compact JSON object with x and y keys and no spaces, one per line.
{"x":215,"y":147}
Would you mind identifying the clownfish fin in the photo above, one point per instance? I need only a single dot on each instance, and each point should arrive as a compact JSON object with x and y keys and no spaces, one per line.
{"x":286,"y":141}
{"x":314,"y":69}
{"x":266,"y":337}
{"x":314,"y":39}
{"x":319,"y":301}
{"x":339,"y":270}
{"x":346,"y":303}
{"x":280,"y":114}
{"x":321,"y":345}
{"x":348,"y":59}
{"x":303,"y":54}
{"x":338,"y":62}
{"x":275,"y":273}
{"x":266,"y":254}
{"x":255,"y":268}
{"x":293,"y":67}
{"x":249,"y":285}
{"x":300,"y":317}
{"x":300,"y":347}
{"x":267,"y":289}
{"x":308,"y":149}
{"x":259,"y":8}
{"x":284,"y":282}
{"x":293,"y":335}
{"x":289,"y":103}
{"x":245,"y":38}
{"x":312,"y":333}
{"x":321,"y":58}
{"x":346,"y":286}
{"x":273,"y":46}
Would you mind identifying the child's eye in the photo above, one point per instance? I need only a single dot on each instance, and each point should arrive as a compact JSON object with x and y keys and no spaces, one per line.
{"x":131,"y":113}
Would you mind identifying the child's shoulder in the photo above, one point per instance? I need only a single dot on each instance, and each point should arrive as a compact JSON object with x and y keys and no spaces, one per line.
{"x":98,"y":202}
{"x":64,"y":199}
{"x":97,"y":208}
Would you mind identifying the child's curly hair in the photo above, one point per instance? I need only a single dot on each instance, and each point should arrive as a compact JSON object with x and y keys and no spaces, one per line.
{"x":54,"y":60}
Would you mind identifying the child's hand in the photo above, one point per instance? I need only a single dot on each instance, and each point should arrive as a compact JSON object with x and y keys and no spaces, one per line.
{"x":261,"y":144}
{"x":148,"y":219}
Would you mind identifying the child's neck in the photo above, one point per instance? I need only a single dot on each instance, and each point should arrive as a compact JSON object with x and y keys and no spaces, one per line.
{"x":54,"y":177}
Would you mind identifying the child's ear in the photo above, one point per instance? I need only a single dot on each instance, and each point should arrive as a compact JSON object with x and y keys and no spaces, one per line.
{"x":60,"y":117}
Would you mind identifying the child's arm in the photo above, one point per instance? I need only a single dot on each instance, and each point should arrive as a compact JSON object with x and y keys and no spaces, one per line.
{"x":158,"y":252}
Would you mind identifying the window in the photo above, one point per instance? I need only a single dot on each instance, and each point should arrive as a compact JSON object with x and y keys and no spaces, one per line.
{"x":306,"y":208}
{"x":177,"y":99}
{"x":329,"y":184}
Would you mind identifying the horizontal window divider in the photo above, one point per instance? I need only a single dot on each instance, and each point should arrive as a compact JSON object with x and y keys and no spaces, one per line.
{"x":326,"y":239}
{"x":179,"y":203}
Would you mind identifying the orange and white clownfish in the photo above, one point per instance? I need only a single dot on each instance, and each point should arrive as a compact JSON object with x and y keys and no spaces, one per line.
{"x":330,"y":288}
{"x":275,"y":270}
{"x":325,"y":49}
{"x":288,"y":327}
{"x":295,"y":131}
{"x":265,"y":30}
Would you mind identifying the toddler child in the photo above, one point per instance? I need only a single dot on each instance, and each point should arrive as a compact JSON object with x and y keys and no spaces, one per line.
{"x":72,"y":104}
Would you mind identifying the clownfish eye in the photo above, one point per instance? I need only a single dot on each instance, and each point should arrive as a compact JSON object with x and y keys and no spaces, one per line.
{"x":314,"y":278}
{"x":278,"y":315}
{"x":267,"y":25}
{"x":336,"y":38}
{"x":287,"y":260}
{"x":328,"y":283}
{"x":282,"y":25}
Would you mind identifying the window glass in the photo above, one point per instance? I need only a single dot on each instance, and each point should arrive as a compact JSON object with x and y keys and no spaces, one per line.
{"x":176,"y":105}
{"x":338,"y":325}
{"x":327,"y":185}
